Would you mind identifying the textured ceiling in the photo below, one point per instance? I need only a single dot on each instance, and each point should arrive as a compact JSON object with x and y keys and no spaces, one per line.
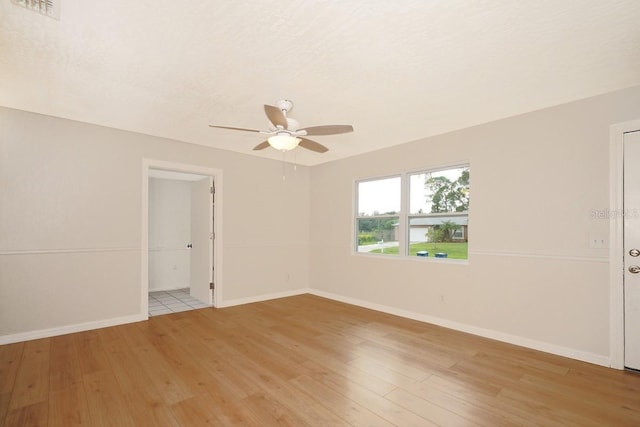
{"x":396,"y":71}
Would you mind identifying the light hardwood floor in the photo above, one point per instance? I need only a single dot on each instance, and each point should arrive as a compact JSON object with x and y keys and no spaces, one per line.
{"x":301,"y":361}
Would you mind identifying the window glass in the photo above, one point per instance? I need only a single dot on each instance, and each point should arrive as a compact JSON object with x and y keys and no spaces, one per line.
{"x":378,"y":197}
{"x":377,"y":223}
{"x":439,"y":219}
{"x":439,"y":191}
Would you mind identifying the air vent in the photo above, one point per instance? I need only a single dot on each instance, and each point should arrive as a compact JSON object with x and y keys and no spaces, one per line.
{"x":50,"y":8}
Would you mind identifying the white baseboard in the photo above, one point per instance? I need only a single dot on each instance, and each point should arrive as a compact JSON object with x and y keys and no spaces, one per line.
{"x":63,"y":330}
{"x":80,"y":327}
{"x":168,"y":288}
{"x":265,"y":297}
{"x":571,"y":353}
{"x":487,"y":333}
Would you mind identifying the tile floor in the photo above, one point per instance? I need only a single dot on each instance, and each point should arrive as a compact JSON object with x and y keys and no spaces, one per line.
{"x":165,"y":302}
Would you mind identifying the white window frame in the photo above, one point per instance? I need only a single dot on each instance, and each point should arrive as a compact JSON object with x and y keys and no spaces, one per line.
{"x":358,"y":217}
{"x":403,"y":215}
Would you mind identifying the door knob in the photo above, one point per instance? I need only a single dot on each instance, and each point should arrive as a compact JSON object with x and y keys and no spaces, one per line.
{"x":634,"y":252}
{"x":634,"y":269}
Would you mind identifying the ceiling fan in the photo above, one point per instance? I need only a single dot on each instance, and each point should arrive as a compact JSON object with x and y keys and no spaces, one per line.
{"x":286,"y":134}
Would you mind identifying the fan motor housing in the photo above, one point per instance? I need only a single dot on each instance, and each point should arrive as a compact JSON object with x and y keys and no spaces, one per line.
{"x":284,"y":105}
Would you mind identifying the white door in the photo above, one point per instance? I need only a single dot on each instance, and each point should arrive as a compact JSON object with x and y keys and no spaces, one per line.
{"x":631,"y":145}
{"x":202,"y":239}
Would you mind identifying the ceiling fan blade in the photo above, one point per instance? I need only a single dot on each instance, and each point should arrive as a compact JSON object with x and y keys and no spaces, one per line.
{"x":261,"y":146}
{"x":275,"y":116}
{"x":312,"y":145}
{"x":328,"y":129}
{"x":232,"y":128}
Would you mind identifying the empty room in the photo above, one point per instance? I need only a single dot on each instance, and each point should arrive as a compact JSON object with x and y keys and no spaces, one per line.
{"x":299,"y":213}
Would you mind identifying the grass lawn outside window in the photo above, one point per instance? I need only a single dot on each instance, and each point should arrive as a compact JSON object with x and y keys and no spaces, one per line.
{"x":453,"y":250}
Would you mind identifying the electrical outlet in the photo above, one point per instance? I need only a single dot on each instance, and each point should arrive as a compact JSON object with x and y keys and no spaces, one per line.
{"x":598,"y":240}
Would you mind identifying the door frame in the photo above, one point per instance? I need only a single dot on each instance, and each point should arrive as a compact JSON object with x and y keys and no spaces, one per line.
{"x":616,"y":241}
{"x":148,"y":164}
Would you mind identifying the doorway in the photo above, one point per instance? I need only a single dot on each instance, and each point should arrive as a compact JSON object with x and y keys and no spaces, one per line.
{"x":180,"y":237}
{"x":624,"y":252}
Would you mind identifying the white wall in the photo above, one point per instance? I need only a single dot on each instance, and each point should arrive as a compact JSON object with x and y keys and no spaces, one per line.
{"x":532,"y":277}
{"x":169,"y":234}
{"x":70,"y":226}
{"x":70,"y":223}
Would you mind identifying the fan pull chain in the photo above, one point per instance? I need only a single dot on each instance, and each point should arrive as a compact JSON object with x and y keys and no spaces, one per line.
{"x":283,"y":167}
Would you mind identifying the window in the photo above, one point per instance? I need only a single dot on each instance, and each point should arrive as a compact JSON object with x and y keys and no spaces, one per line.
{"x":431,"y":221}
{"x":439,"y":213}
{"x":378,"y":207}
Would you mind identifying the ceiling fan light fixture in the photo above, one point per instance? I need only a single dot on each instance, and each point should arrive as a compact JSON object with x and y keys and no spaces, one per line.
{"x":285,"y":130}
{"x":283,"y":142}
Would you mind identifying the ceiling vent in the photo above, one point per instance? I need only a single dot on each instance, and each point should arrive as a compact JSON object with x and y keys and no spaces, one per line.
{"x":50,"y":8}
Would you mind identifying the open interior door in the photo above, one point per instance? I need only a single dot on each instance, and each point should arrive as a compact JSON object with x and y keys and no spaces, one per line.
{"x":631,"y":145}
{"x":202,"y":239}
